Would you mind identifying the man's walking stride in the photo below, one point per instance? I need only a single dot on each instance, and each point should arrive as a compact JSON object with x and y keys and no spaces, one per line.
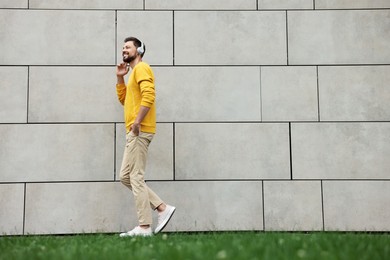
{"x":138,"y":99}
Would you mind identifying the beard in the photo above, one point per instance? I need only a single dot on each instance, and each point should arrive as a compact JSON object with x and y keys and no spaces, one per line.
{"x":129,"y":59}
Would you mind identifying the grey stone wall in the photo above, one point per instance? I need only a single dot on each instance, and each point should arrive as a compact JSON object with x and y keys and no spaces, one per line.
{"x":272,"y":115}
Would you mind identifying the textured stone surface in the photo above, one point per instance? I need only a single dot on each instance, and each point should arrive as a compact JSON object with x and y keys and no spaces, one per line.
{"x":347,"y":4}
{"x":292,"y":205}
{"x":61,"y":208}
{"x":52,"y":37}
{"x":338,"y":37}
{"x":87,"y":4}
{"x":82,"y":94}
{"x":208,"y":94}
{"x":231,"y":151}
{"x":228,"y":35}
{"x":340,"y":150}
{"x":289,"y":94}
{"x":159,"y":165}
{"x":357,"y":205}
{"x":56,"y":152}
{"x":213,"y":205}
{"x":201,"y":4}
{"x":154,"y":28}
{"x":13,"y":98}
{"x":354,"y":93}
{"x":14,"y":3}
{"x":12,"y":209}
{"x":285,"y":4}
{"x":237,"y":111}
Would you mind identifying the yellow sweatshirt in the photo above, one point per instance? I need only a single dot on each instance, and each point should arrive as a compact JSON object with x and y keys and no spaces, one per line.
{"x":139,"y":92}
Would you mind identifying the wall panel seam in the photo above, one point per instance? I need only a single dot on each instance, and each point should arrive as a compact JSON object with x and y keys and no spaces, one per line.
{"x":270,"y":65}
{"x":174,"y":151}
{"x":202,"y":65}
{"x":115,"y":140}
{"x":201,"y":180}
{"x":147,"y":180}
{"x":173,"y":38}
{"x":318,"y":95}
{"x":199,"y":10}
{"x":204,"y":122}
{"x":345,"y":180}
{"x":262,"y":201}
{"x":28,"y":93}
{"x":81,"y":9}
{"x":16,"y":8}
{"x":24,"y":208}
{"x":287,"y":38}
{"x":351,"y":9}
{"x":261,"y":96}
{"x":290,"y":147}
{"x":322,"y":207}
{"x":116,"y":37}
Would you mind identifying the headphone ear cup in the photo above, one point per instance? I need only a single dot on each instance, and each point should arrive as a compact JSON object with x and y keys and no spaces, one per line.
{"x":141,"y":50}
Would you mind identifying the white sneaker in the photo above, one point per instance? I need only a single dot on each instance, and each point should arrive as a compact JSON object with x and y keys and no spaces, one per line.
{"x":138,"y":231}
{"x":164,"y":217}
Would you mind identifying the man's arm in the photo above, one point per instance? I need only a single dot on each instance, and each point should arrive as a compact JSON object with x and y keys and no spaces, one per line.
{"x":148,"y":96}
{"x":137,"y":123}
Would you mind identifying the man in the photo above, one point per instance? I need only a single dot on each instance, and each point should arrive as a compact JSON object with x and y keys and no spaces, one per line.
{"x":140,"y":120}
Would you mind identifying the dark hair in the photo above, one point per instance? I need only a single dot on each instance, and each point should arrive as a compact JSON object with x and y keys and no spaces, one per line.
{"x":137,"y":43}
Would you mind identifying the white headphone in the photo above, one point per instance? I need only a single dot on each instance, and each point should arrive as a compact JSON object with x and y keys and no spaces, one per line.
{"x":141,"y":49}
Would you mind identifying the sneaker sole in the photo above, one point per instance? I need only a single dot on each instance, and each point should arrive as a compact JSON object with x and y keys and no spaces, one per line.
{"x":162,"y":226}
{"x":139,"y":235}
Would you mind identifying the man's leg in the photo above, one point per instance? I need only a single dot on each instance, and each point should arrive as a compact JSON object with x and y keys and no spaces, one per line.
{"x":124,"y":176}
{"x":144,"y":197}
{"x":132,"y":175}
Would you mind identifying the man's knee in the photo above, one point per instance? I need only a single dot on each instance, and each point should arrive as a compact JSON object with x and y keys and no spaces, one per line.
{"x":125,"y":180}
{"x":137,"y":179}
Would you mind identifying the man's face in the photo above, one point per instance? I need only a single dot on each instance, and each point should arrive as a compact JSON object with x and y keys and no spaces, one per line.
{"x":129,"y":52}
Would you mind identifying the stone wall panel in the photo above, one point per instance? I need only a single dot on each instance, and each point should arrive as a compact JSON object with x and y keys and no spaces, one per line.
{"x":340,"y":150}
{"x":298,"y":205}
{"x":57,"y":37}
{"x":227,"y":37}
{"x":13,"y":98}
{"x":64,"y":208}
{"x":12,"y":209}
{"x":56,"y":152}
{"x":73,"y":94}
{"x":188,"y":94}
{"x":338,"y":37}
{"x":231,"y":151}
{"x":354,"y":93}
{"x":289,"y":93}
{"x":356,"y":205}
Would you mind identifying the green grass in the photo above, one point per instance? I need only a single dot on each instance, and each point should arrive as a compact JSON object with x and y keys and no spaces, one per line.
{"x":210,"y":245}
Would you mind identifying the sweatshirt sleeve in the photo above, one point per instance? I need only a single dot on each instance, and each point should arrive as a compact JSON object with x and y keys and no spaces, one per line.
{"x":145,"y":79}
{"x":121,"y":92}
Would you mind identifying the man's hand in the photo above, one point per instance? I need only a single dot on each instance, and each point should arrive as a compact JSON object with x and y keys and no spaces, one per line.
{"x":122,"y":69}
{"x":135,"y":128}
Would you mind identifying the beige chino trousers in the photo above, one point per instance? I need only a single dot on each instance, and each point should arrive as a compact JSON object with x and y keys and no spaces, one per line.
{"x":132,"y":175}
